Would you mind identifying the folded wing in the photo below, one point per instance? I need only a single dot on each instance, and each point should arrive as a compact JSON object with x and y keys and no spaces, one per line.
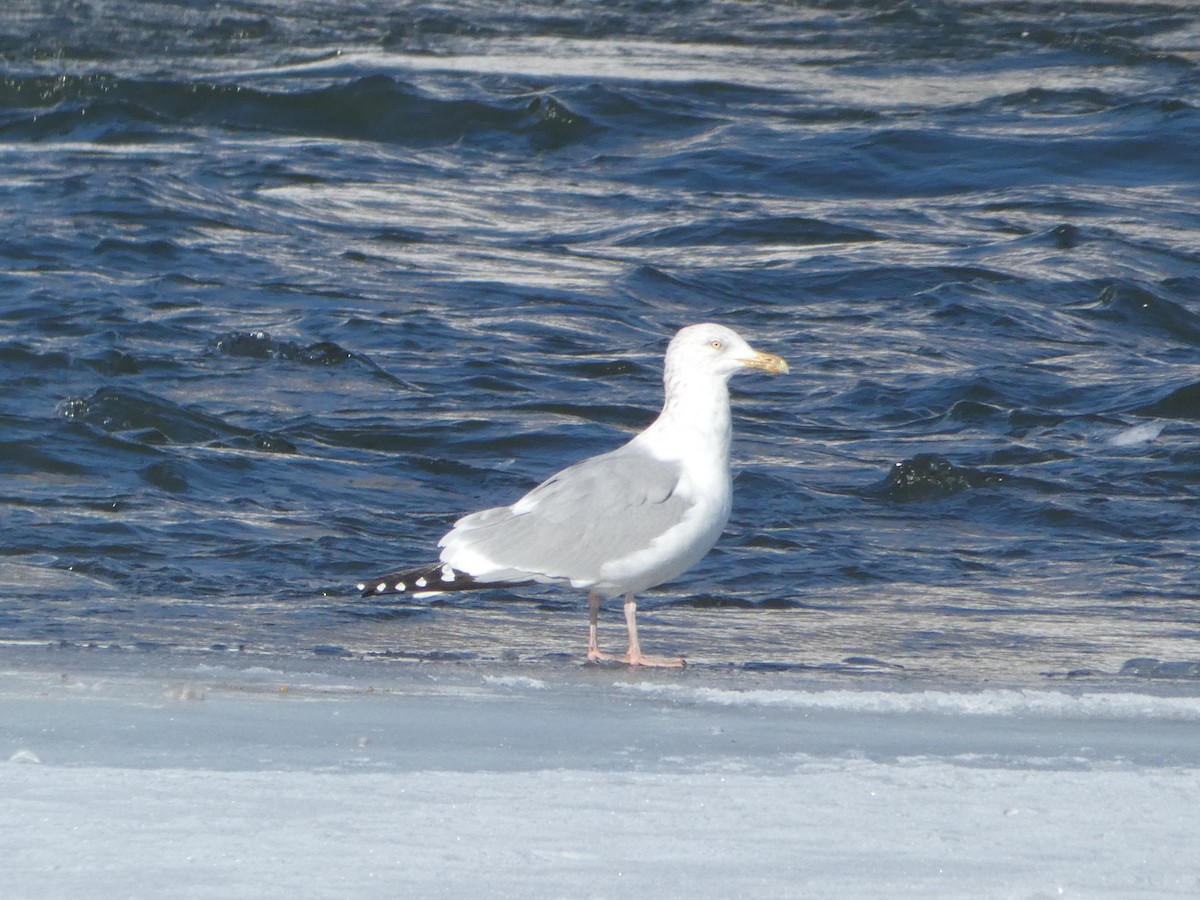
{"x":567,"y":528}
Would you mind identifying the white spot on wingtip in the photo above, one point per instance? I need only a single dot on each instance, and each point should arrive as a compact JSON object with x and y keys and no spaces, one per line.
{"x":448,"y":574}
{"x":400,"y":586}
{"x":421,"y":582}
{"x":380,"y":588}
{"x":361,"y":586}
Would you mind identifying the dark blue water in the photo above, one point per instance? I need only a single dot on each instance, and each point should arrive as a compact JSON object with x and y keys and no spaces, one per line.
{"x":288,"y":286}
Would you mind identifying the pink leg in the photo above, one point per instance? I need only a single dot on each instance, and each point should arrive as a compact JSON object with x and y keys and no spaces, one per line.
{"x":634,"y":656}
{"x":594,"y":654}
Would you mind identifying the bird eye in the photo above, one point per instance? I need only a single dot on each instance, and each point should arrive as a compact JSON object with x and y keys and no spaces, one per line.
{"x":716,"y":345}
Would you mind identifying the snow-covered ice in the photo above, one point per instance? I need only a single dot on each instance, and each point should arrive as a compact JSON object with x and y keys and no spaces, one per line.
{"x":149,"y":778}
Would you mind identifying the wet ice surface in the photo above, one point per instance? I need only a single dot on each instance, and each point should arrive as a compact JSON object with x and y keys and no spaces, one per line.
{"x":209,"y":778}
{"x":288,"y":291}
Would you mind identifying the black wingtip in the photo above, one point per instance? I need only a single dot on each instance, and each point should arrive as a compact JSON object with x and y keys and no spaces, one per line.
{"x":433,"y":579}
{"x":437,"y":577}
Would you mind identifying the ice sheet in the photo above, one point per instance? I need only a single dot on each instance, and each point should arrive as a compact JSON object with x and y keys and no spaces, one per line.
{"x":208,"y":780}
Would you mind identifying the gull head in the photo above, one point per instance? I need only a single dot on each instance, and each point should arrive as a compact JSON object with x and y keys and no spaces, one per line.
{"x":717,"y":350}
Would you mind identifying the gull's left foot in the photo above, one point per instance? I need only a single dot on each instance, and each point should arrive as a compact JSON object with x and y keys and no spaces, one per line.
{"x":654,"y":662}
{"x":595,"y":655}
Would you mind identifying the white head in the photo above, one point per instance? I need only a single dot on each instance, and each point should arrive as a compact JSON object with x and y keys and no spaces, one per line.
{"x":715,"y":350}
{"x":695,"y":418}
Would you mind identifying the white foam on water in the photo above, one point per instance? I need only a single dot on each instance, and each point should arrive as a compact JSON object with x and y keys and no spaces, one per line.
{"x":515,"y":681}
{"x":1138,"y":434}
{"x":993,"y":702}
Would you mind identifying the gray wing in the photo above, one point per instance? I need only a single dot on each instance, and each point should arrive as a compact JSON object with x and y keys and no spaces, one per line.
{"x":601,"y":509}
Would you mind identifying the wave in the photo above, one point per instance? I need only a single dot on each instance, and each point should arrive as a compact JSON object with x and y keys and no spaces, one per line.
{"x":260,"y":345}
{"x":379,"y":108}
{"x":929,"y":476}
{"x":153,"y":420}
{"x":794,"y":230}
{"x":1136,"y":306}
{"x":1181,"y":403}
{"x":24,"y":361}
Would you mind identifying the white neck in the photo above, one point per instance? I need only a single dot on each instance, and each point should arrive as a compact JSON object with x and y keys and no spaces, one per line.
{"x":692,"y":419}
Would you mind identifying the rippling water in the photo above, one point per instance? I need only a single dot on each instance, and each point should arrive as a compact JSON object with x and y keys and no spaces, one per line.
{"x":288,"y":286}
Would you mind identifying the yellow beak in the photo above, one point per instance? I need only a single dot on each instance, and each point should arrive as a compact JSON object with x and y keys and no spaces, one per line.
{"x":767,"y":362}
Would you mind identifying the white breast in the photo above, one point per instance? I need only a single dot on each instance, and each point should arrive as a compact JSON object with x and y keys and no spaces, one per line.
{"x":706,"y":484}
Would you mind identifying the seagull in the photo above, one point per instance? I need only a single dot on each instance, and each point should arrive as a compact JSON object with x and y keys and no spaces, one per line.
{"x":621,"y":522}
